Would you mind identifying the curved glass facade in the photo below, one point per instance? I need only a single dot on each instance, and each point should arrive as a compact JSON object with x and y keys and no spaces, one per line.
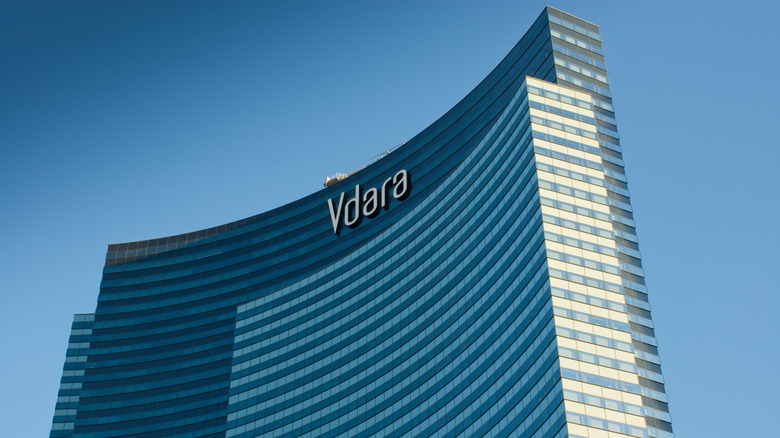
{"x":501,"y":296}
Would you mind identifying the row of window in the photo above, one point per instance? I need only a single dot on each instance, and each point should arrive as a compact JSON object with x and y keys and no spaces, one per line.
{"x":594,"y":379}
{"x":582,"y":70}
{"x":575,"y":193}
{"x":575,"y":130}
{"x":576,"y":41}
{"x":559,"y":110}
{"x":563,"y":156}
{"x":597,"y":360}
{"x":461,"y":407}
{"x":612,"y":426}
{"x":559,"y":97}
{"x":576,"y":209}
{"x":591,"y":319}
{"x":593,"y":339}
{"x":567,"y":173}
{"x":588,"y":299}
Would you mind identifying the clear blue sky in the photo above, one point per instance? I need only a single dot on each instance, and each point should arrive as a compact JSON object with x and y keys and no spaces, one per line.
{"x":128,"y":120}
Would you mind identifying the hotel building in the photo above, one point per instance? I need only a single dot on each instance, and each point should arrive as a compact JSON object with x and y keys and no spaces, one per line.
{"x":483,"y":279}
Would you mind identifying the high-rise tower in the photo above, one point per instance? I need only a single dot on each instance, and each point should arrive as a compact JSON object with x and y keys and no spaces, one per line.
{"x":484,"y":279}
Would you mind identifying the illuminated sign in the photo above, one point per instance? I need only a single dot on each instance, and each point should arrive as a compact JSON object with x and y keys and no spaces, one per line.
{"x":368,"y":203}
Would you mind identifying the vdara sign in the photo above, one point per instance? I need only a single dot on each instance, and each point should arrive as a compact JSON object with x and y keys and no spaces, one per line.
{"x":370,"y":203}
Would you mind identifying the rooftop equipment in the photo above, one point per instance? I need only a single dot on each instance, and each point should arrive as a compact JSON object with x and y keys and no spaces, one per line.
{"x":336,"y":177}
